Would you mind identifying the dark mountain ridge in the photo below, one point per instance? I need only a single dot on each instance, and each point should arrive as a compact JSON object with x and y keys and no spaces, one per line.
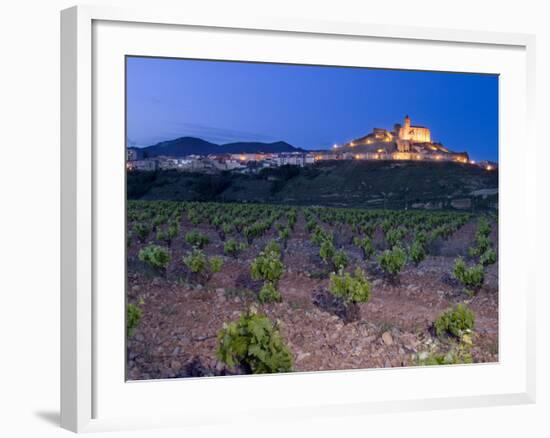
{"x":183,"y":146}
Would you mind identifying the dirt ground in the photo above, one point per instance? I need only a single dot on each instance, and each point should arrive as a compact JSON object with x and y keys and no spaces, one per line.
{"x":176,"y":336}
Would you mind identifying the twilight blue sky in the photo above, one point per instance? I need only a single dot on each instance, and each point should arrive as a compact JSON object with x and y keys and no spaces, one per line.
{"x":307,"y":106}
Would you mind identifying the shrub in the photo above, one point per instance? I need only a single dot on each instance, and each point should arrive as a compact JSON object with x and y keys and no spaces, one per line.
{"x":269,"y":293}
{"x":366,"y":246}
{"x":168,"y":234}
{"x":228,"y":228}
{"x":392,"y":261}
{"x":483,"y":227}
{"x":133,"y":316}
{"x":273,"y":247}
{"x":421,"y":238}
{"x":395,"y":236}
{"x":446,"y":231}
{"x":173,"y":231}
{"x":326,"y":251}
{"x":255,"y":230}
{"x":216,"y":221}
{"x":194,"y":217}
{"x":482,"y":241}
{"x":238,"y":224}
{"x":339,"y":260}
{"x":320,"y":236}
{"x":159,"y":220}
{"x":368,"y":229}
{"x":155,"y":256}
{"x":472,"y":278}
{"x":459,"y":354}
{"x":196,"y":239}
{"x":196,"y":261}
{"x":310,"y":225}
{"x":162,"y":236}
{"x":141,"y":231}
{"x":292,"y":216}
{"x":386,"y":225}
{"x":216,"y":264}
{"x":417,"y":252}
{"x":351,"y":288}
{"x":233,"y":248}
{"x":267,"y":266}
{"x":456,"y":322}
{"x":253,"y":344}
{"x":482,"y":244}
{"x":488,"y":257}
{"x":284,"y":234}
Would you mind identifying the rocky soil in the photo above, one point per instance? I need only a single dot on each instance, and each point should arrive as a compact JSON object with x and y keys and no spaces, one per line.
{"x":176,"y":336}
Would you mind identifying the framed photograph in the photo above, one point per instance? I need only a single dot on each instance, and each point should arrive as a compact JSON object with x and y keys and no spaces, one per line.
{"x":321,"y":216}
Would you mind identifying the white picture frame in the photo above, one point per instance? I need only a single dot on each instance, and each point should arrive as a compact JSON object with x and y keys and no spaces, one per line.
{"x":85,"y":377}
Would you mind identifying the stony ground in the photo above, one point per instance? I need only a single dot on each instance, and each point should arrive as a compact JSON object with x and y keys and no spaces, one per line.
{"x":176,"y":336}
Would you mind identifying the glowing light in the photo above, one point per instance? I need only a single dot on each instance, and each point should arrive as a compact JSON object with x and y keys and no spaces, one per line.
{"x":352,"y":144}
{"x":489,"y":167}
{"x":334,"y":146}
{"x":380,"y":151}
{"x":472,"y":162}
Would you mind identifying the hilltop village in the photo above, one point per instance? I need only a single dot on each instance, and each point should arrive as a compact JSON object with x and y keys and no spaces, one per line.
{"x":405,"y":142}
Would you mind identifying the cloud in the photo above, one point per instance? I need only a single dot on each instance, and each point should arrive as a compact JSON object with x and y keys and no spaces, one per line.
{"x":215,"y":134}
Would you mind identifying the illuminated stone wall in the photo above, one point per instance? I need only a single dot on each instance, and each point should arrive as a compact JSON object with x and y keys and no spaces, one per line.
{"x":417,"y":134}
{"x":403,"y":145}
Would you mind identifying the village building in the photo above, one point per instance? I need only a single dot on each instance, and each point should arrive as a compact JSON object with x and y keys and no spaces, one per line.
{"x":145,"y":164}
{"x":131,"y":155}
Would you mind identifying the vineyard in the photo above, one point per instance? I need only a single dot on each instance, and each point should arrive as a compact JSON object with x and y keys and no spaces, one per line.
{"x":232,"y":288}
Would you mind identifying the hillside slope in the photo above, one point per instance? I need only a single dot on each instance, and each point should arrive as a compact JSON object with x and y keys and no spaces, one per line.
{"x":334,"y":183}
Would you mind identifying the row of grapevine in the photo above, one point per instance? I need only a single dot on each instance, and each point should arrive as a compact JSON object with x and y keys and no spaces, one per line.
{"x":156,"y":228}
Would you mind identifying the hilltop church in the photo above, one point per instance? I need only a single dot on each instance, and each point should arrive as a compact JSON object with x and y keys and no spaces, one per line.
{"x":408,"y":134}
{"x":417,"y":134}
